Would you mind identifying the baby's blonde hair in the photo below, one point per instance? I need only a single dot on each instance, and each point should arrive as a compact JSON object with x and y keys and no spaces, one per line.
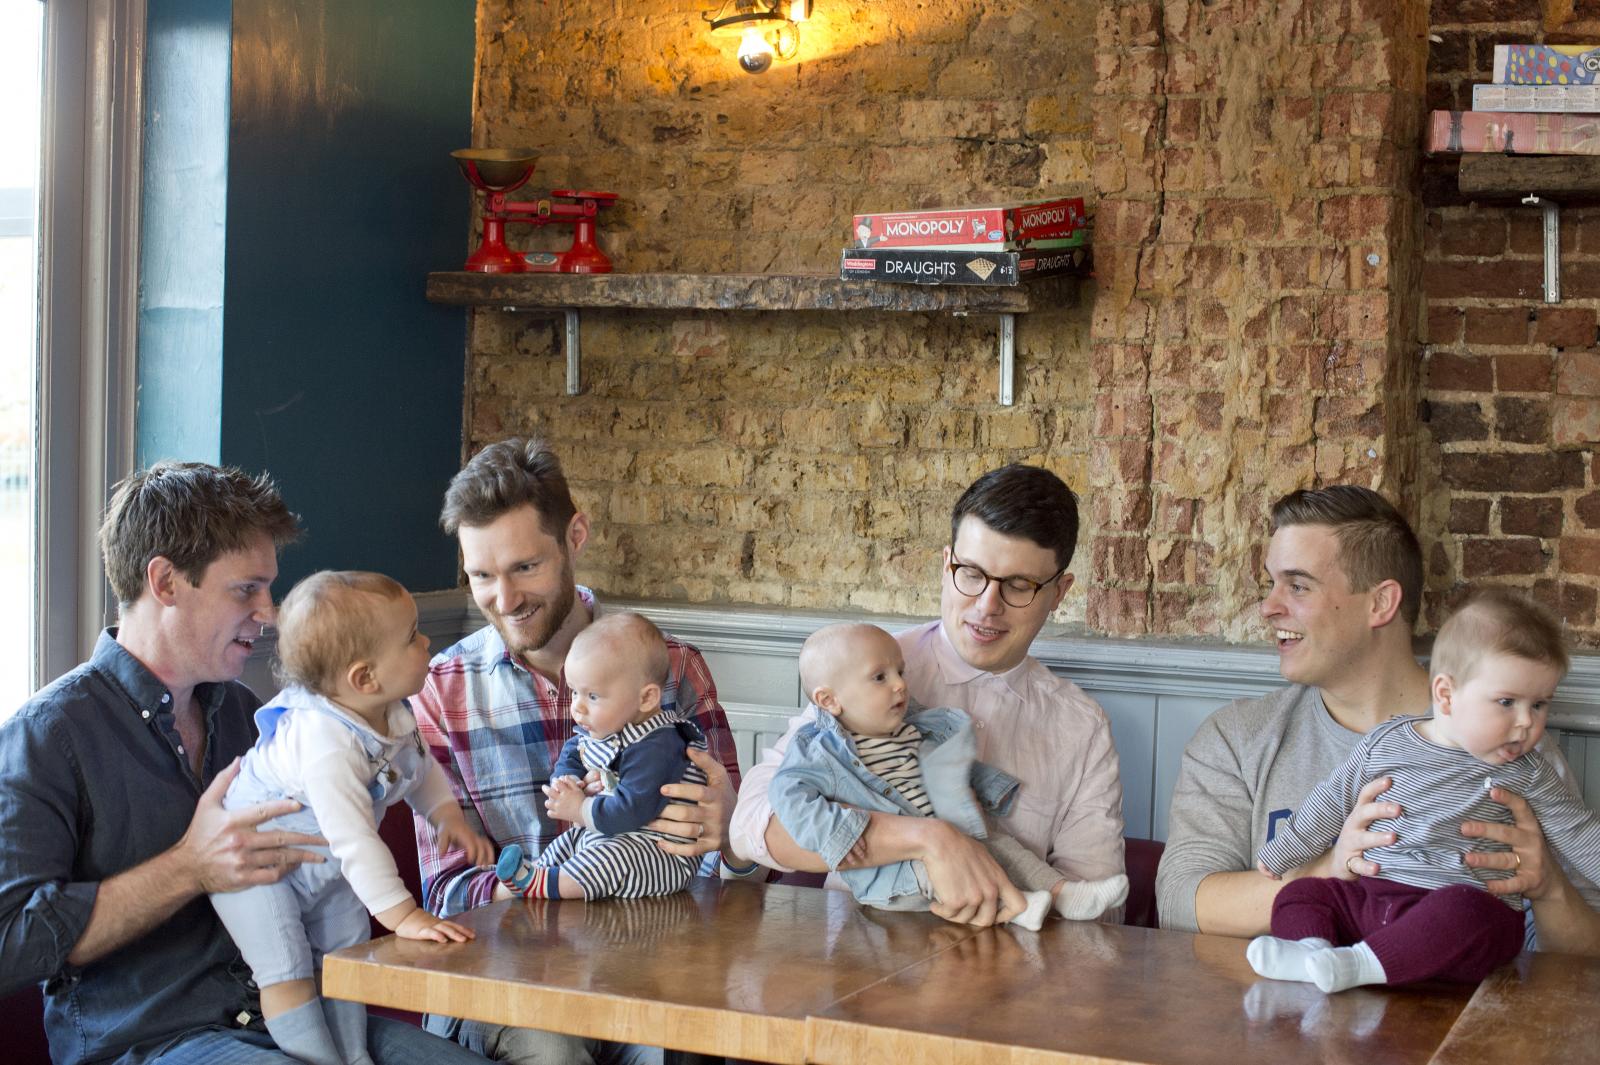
{"x":329,"y":621}
{"x":823,"y":651}
{"x":1497,"y":621}
{"x":633,"y":637}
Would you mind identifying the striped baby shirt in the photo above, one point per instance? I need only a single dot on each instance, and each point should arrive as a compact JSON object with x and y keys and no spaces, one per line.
{"x":1436,"y":788}
{"x":893,"y":758}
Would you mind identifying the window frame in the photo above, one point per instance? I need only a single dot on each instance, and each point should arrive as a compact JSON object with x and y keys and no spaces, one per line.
{"x":89,"y":195}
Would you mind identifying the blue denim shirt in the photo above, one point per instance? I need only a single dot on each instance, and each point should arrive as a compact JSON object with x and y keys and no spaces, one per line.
{"x":92,"y":784}
{"x":822,"y":793}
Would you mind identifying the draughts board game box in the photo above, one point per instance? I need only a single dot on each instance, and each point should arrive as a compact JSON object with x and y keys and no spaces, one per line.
{"x":943,"y":266}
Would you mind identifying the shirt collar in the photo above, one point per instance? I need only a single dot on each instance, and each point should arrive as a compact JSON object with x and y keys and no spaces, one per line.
{"x":953,"y":669}
{"x":143,"y":688}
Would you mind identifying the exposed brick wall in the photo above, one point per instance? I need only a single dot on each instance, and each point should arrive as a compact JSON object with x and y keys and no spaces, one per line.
{"x":1255,"y":326}
{"x":1512,"y":392}
{"x":789,"y":459}
{"x":1253,"y":329}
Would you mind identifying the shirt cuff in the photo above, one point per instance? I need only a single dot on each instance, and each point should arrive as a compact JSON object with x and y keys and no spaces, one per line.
{"x":586,"y":813}
{"x":729,"y":871}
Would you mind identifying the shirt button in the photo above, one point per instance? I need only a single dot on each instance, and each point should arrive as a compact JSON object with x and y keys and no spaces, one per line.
{"x":180,"y":748}
{"x":166,"y":698}
{"x":146,"y":715}
{"x":980,"y":724}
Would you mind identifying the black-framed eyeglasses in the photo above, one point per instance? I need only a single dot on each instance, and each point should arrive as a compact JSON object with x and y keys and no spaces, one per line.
{"x":972,"y":581}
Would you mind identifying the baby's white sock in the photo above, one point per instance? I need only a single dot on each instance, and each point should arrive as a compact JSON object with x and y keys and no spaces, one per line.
{"x":1084,"y":900}
{"x":1338,"y":968}
{"x":1282,"y":959}
{"x":1032,"y":918}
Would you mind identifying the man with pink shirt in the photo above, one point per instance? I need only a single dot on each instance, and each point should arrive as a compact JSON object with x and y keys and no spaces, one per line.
{"x":1012,"y":536}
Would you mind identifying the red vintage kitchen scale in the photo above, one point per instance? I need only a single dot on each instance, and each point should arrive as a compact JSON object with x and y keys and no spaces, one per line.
{"x":498,"y":171}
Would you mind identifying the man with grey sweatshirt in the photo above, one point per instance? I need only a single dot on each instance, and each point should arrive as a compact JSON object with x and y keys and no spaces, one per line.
{"x":1346,"y":584}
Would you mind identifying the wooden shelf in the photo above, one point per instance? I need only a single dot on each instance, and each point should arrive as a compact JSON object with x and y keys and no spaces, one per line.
{"x":1566,"y":179}
{"x":740,"y":292}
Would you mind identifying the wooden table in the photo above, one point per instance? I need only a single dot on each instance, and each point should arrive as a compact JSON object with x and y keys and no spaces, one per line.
{"x":1097,"y":993}
{"x":789,"y":974}
{"x":723,"y":968}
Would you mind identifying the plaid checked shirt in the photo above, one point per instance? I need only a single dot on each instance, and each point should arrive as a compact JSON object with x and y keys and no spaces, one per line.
{"x":497,"y":727}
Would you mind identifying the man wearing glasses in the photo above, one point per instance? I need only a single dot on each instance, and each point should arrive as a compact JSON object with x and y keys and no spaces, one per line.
{"x":1012,"y":535}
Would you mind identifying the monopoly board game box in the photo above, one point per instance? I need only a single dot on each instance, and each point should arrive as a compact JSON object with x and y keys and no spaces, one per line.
{"x":1546,"y":64}
{"x":996,"y":224}
{"x":1583,"y":99}
{"x":943,"y":266}
{"x":1513,"y":132}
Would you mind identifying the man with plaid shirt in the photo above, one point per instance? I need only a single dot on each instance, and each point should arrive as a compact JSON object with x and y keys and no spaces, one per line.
{"x":496,"y":708}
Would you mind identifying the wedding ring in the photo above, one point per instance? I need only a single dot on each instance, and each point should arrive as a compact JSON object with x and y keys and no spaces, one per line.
{"x":1518,"y":857}
{"x":1347,"y":862}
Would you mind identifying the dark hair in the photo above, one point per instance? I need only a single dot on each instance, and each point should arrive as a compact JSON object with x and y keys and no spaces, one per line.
{"x":1375,"y":541}
{"x":190,"y":513}
{"x":1024,"y":501}
{"x":521,"y":471}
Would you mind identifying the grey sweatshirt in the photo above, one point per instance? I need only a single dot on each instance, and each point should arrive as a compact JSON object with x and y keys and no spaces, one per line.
{"x":1246,"y":770}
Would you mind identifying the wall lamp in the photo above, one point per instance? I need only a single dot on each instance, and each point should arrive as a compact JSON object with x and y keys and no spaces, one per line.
{"x":765,"y":28}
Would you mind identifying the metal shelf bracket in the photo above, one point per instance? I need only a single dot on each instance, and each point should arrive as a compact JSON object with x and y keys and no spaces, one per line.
{"x":1552,"y":245}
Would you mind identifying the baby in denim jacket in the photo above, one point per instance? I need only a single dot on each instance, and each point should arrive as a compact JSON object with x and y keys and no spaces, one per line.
{"x":865,"y":752}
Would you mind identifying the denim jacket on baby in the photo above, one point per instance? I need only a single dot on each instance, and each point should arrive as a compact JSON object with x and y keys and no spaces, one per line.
{"x":822,"y":793}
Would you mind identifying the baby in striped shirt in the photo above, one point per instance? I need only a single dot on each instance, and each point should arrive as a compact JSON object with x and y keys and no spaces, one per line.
{"x":1427,"y":914}
{"x":607,"y":780}
{"x":866,"y":751}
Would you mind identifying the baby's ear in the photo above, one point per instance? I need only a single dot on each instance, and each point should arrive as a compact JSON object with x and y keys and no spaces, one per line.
{"x":361,"y":677}
{"x":1441,"y":689}
{"x":824,"y":697}
{"x":650,"y":697}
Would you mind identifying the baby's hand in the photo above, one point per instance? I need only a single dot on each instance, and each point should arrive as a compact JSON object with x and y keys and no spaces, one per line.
{"x":564,"y":799}
{"x":591,"y":783}
{"x":1261,"y":867}
{"x":453,"y":831}
{"x":420,"y":924}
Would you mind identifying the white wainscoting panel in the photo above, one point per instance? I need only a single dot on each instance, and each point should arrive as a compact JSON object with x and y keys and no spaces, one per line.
{"x":1156,"y":692}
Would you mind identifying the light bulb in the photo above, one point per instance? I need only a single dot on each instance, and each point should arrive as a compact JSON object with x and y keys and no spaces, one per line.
{"x":755,"y":54}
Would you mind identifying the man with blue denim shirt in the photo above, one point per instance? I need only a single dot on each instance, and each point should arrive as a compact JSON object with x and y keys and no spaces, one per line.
{"x":864,"y":752}
{"x":111,"y":782}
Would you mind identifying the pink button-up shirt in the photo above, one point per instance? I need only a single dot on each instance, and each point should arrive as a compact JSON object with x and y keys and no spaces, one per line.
{"x":1040,"y":728}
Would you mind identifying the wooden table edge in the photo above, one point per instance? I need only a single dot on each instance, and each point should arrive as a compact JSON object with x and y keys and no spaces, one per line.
{"x":835,"y":1042}
{"x":674,"y":1026}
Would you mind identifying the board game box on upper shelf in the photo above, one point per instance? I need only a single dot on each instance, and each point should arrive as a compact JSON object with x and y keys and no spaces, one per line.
{"x":1011,"y":226}
{"x":1513,"y":133}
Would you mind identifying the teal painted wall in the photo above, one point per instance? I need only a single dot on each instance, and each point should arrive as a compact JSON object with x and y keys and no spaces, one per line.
{"x":335,"y":374}
{"x":182,"y":209}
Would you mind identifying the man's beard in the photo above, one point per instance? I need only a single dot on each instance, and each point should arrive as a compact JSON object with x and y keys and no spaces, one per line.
{"x":552,"y":614}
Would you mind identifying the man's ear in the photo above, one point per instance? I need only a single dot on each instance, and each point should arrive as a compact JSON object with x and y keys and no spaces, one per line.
{"x":1442,"y":689}
{"x":577,"y":534}
{"x":1386,"y":598}
{"x":161,"y":577}
{"x":1063,"y":585}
